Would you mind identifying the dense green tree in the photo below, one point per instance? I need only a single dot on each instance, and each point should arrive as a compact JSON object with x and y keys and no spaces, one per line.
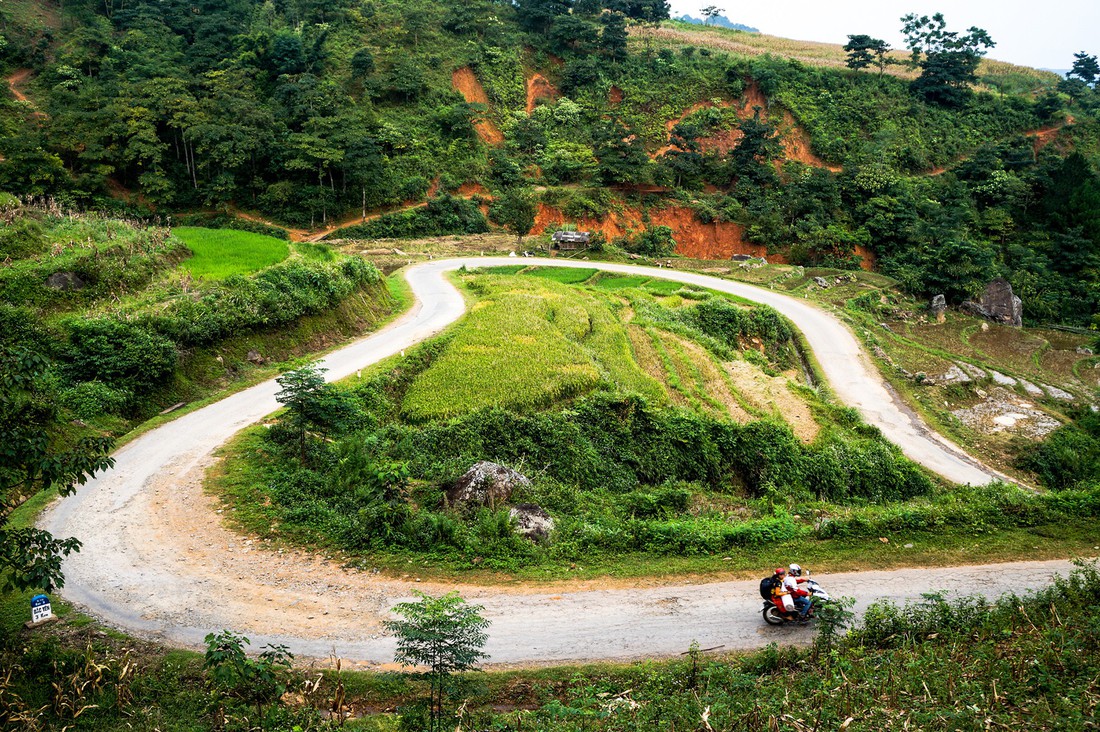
{"x":312,"y":405}
{"x":573,"y":34}
{"x":38,"y":451}
{"x":948,"y":59}
{"x":537,"y":16}
{"x":864,"y":51}
{"x":613,"y":37}
{"x":515,"y":210}
{"x":621,"y":154}
{"x":1085,"y":67}
{"x":709,"y":13}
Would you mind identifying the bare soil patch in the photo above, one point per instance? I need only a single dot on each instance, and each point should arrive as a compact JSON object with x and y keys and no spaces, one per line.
{"x":467,"y":84}
{"x":794,"y":138}
{"x":540,"y":90}
{"x":1005,"y":411}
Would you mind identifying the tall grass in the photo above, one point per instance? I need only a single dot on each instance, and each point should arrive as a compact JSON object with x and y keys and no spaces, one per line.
{"x":221,"y":253}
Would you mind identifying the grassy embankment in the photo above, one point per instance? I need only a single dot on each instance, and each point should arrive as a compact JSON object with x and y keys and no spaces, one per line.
{"x":435,"y":411}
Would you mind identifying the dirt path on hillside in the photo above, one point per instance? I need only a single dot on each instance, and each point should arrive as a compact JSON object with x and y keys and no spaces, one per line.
{"x":316,"y":235}
{"x":157,"y":560}
{"x":15,"y":81}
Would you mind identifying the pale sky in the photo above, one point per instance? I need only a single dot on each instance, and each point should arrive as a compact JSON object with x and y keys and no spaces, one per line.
{"x":1039,"y":34}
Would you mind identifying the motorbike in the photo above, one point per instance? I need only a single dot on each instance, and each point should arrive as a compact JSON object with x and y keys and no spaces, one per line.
{"x":774,"y":615}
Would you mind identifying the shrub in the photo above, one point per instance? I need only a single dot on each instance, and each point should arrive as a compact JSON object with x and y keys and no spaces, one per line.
{"x":92,"y":399}
{"x":442,"y":215}
{"x":124,"y":355}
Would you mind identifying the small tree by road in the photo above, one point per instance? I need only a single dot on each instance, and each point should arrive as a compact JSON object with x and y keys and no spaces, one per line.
{"x":515,"y":210}
{"x":312,"y":404}
{"x":442,"y":633}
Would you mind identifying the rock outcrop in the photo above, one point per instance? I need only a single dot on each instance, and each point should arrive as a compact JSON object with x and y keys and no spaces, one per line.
{"x":486,"y":484}
{"x":532,"y":522}
{"x":65,"y":281}
{"x":998,"y":304}
{"x":939,"y":308}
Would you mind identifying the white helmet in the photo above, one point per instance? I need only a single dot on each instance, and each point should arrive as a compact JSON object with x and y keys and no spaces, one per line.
{"x":796,"y":570}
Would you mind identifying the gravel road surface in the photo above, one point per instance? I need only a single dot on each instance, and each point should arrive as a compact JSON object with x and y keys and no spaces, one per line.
{"x":158,"y":562}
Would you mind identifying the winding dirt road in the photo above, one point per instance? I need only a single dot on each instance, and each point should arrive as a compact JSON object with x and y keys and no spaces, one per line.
{"x":158,"y":562}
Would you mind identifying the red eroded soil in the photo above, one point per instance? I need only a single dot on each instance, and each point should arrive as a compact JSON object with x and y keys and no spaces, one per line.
{"x":868,"y":258}
{"x":538,"y":88}
{"x":615,"y":95}
{"x":466,"y":83}
{"x":15,"y":81}
{"x":1043,"y":136}
{"x":472,"y":188}
{"x":796,"y":141}
{"x":693,"y":237}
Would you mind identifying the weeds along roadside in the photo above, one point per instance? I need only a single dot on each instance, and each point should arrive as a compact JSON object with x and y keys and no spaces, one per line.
{"x":962,"y":661}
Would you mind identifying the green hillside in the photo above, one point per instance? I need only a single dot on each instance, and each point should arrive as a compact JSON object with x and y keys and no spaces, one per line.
{"x":307,"y":113}
{"x":196,"y":194}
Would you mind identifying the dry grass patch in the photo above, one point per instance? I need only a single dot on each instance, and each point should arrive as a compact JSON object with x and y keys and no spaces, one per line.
{"x":772,"y":395}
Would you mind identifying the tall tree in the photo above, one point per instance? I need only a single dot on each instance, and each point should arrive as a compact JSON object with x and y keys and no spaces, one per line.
{"x":863,"y":51}
{"x":948,"y":59}
{"x":710,"y":12}
{"x":537,"y":16}
{"x":515,"y":210}
{"x":1085,"y":67}
{"x":614,"y":36}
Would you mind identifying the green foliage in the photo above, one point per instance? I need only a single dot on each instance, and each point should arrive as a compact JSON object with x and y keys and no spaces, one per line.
{"x":443,"y":633}
{"x":225,"y":221}
{"x":220,"y":253}
{"x":863,"y":51}
{"x":252,"y":681}
{"x":37,"y":453}
{"x":1069,"y":457}
{"x":124,"y":355}
{"x":313,"y":405}
{"x":515,"y":210}
{"x":948,"y":60}
{"x":109,"y":258}
{"x":655,"y":241}
{"x":442,"y":215}
{"x":275,"y":297}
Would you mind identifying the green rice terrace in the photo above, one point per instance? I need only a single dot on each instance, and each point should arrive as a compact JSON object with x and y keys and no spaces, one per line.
{"x":661,"y":427}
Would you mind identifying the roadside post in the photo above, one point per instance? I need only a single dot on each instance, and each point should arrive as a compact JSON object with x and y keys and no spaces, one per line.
{"x":41,"y":612}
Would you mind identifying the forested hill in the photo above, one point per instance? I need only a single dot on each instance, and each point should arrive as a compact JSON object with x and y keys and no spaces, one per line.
{"x":309,"y":110}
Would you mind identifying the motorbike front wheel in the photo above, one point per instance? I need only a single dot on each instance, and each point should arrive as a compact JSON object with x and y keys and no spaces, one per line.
{"x":772,"y":616}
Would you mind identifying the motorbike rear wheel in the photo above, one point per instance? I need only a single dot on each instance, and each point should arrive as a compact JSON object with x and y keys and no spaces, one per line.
{"x":772,"y":616}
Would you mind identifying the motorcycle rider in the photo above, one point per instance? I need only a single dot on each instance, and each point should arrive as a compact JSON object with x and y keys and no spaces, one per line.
{"x":800,"y":596}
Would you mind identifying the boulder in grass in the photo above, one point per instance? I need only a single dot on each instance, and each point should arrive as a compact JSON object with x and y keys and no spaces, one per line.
{"x":939,"y":308}
{"x":65,"y":281}
{"x":532,"y":522}
{"x":486,"y":484}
